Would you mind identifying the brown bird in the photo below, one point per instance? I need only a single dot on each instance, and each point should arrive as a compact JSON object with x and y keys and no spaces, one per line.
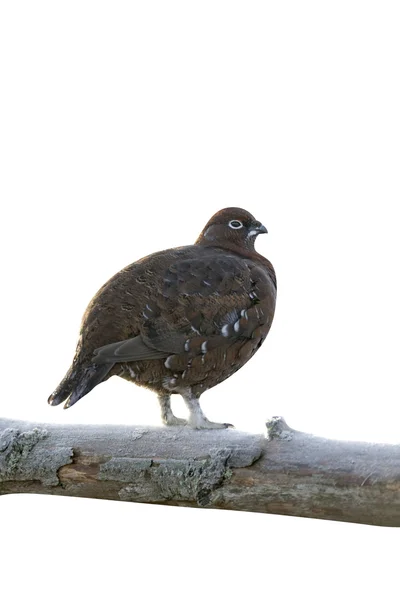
{"x":179,"y":321}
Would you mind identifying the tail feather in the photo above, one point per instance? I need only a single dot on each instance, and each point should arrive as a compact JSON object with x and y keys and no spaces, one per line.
{"x":78,"y":382}
{"x":92,"y":376}
{"x":64,"y":389}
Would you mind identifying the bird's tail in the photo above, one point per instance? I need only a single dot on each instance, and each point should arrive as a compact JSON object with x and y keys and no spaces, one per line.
{"x":78,"y":381}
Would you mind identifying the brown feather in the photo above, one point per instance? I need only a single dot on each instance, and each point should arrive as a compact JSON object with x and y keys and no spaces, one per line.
{"x":188,"y":316}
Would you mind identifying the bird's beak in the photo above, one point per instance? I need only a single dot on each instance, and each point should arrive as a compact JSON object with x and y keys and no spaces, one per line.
{"x":260,"y":228}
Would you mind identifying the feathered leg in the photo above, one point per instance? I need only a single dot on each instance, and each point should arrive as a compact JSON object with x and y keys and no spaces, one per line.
{"x":197,"y":419}
{"x":167,"y":416}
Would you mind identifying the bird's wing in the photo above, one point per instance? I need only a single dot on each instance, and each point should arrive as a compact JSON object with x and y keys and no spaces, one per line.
{"x":202,"y":305}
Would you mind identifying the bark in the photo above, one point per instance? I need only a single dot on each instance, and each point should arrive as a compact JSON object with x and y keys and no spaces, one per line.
{"x":283,"y":472}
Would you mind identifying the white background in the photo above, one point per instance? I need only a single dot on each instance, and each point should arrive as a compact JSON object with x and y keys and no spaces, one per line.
{"x":124,"y":127}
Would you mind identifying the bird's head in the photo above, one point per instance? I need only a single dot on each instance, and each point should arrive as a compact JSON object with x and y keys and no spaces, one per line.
{"x":231,"y":227}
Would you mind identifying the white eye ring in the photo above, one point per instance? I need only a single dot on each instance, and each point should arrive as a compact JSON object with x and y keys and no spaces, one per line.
{"x":235,"y":224}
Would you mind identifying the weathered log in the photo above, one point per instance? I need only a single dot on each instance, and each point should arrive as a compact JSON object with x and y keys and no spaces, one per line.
{"x":282,"y":472}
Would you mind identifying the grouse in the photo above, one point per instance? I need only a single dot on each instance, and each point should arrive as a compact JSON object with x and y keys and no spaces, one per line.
{"x":179,"y":321}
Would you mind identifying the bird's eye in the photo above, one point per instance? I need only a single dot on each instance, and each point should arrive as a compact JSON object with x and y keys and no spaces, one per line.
{"x":235,"y":224}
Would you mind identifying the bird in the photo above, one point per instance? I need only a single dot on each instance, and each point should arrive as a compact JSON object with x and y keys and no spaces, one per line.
{"x":179,"y":321}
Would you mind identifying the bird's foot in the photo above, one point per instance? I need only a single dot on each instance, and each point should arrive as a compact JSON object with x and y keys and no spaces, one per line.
{"x":200,"y":422}
{"x":197,"y":419}
{"x":173,"y":421}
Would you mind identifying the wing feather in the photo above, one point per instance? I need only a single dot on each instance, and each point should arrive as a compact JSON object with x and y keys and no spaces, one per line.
{"x":203,"y":304}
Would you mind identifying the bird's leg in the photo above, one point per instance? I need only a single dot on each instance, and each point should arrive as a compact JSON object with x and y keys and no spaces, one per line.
{"x":197,"y":419}
{"x":167,"y":416}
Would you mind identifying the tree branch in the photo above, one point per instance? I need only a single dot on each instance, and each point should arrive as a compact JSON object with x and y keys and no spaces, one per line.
{"x":284,"y":472}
